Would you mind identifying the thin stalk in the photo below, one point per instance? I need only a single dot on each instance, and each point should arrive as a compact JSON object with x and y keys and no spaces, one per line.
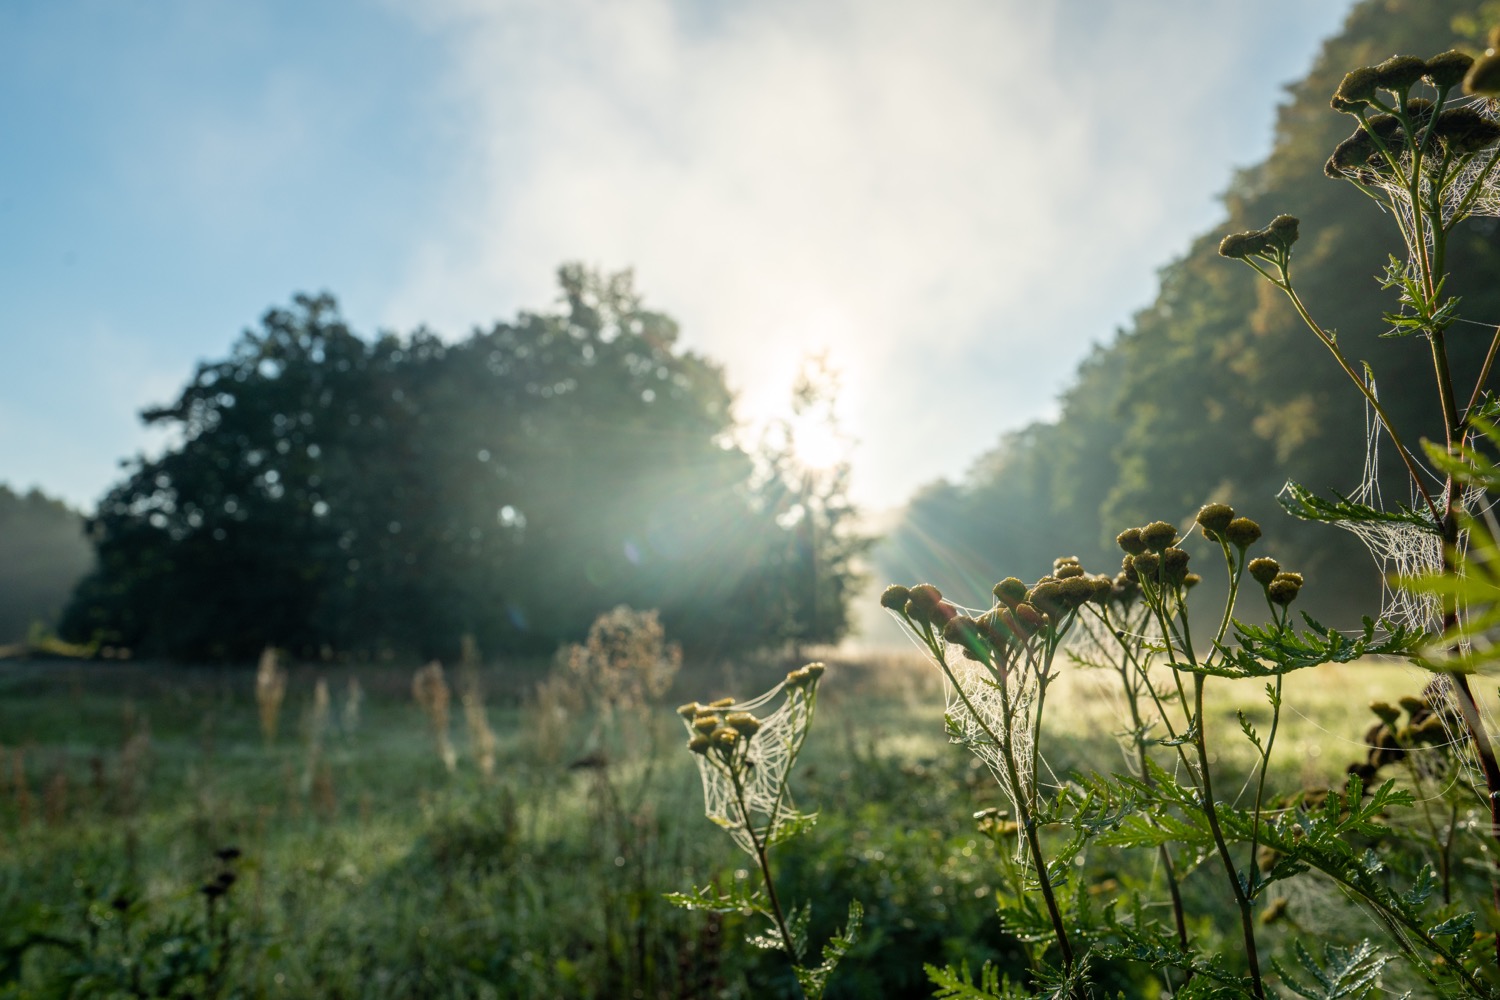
{"x":765,"y":867}
{"x":1205,"y":785}
{"x":1369,"y":394}
{"x":1024,"y":815}
{"x":1210,"y":810}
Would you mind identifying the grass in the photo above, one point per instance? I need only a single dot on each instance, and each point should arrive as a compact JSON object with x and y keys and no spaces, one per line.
{"x":372,"y":871}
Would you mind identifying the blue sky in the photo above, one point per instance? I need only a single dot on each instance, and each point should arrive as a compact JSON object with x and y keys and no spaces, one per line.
{"x":953,"y":199}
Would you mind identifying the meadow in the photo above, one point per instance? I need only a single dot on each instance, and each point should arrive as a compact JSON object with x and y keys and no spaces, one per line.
{"x":366,"y":867}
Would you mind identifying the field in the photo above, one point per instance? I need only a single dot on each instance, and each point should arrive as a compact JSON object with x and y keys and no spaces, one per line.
{"x":368,"y":868}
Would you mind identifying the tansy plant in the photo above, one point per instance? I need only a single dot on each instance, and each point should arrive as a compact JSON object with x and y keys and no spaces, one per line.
{"x":745,"y":753}
{"x":1426,"y":149}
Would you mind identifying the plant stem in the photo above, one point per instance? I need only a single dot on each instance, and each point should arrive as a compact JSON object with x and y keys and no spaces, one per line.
{"x":765,"y":868}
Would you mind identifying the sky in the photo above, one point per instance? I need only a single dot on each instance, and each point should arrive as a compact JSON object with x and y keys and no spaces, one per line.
{"x":954,"y":200}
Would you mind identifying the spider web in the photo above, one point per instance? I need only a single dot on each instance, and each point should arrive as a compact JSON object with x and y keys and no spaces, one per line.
{"x":771,"y":751}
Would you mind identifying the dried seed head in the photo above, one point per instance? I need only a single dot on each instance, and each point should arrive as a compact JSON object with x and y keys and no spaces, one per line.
{"x":1068,"y":571}
{"x":1264,"y":570}
{"x":1146,"y":564}
{"x":961,"y":630}
{"x":1358,"y":87}
{"x":1215,"y":517}
{"x":1448,"y":69}
{"x":1242,"y":532}
{"x":1398,"y":73}
{"x":895,"y":597}
{"x":1104,"y":589}
{"x":1386,"y":712}
{"x":1130,"y":540}
{"x":1159,"y":535}
{"x":1128,"y":571}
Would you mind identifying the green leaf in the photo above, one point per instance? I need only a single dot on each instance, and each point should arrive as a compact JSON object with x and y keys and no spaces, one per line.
{"x":739,"y":899}
{"x":1300,"y":502}
{"x":814,"y":979}
{"x":1344,"y":974}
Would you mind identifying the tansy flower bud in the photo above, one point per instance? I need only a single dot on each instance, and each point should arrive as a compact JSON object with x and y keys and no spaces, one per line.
{"x":707,"y":723}
{"x":1030,"y":617}
{"x":1284,"y":589}
{"x":1483,"y":78}
{"x":1398,"y":73}
{"x":1264,"y":570}
{"x":1104,"y":589}
{"x":743,"y":723}
{"x":922,"y":603}
{"x":1158,"y":535}
{"x":1128,"y":571}
{"x":721,"y":703}
{"x":1146,"y":564}
{"x":1077,"y":590}
{"x":815,"y":670}
{"x":1130,"y":540}
{"x":1414,"y":706}
{"x":724,"y":737}
{"x":1047,"y":596}
{"x":1174,"y":564}
{"x":1242,"y":532}
{"x":1010,"y":591}
{"x":1465,"y":130}
{"x":699,"y":743}
{"x":1215,"y":517}
{"x":1358,"y":86}
{"x":1068,"y":572}
{"x":1448,"y":69}
{"x":961,"y":630}
{"x":895,"y":597}
{"x":1283,"y":233}
{"x":1239,"y":246}
{"x":1191,"y":580}
{"x":1386,"y":712}
{"x":690,"y":710}
{"x":1274,"y":912}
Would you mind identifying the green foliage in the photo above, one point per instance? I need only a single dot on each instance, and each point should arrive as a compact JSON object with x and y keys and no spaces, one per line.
{"x":43,"y":554}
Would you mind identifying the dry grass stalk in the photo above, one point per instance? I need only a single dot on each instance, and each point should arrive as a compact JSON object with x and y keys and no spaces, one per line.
{"x":430,"y":689}
{"x":354,"y":699}
{"x":548,"y":722}
{"x":315,"y":725}
{"x":270,"y":690}
{"x":135,"y":757}
{"x":55,"y":799}
{"x":25,"y":804}
{"x":481,"y":736}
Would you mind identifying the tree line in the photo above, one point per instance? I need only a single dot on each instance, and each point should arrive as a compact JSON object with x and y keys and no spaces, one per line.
{"x":334,"y":495}
{"x":1216,"y":391}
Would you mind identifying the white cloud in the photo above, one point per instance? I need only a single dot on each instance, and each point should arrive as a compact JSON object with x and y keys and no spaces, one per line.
{"x":955,"y":199}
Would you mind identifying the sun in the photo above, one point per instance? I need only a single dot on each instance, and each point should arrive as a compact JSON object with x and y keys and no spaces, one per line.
{"x":815,"y":444}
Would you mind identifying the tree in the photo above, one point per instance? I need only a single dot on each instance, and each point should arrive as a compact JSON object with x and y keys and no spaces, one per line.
{"x":43,"y":554}
{"x":332,"y":494}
